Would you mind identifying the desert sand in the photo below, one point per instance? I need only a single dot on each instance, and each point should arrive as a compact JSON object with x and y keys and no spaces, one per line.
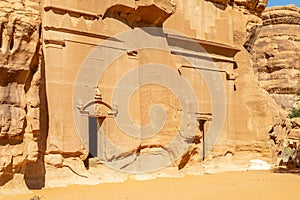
{"x":230,"y":185}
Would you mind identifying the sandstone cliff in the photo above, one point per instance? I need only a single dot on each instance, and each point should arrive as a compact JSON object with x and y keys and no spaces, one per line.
{"x":19,"y":87}
{"x":276,"y":54}
{"x":39,"y":69}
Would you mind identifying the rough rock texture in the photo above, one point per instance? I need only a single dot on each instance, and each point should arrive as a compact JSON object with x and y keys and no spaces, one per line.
{"x":141,"y":13}
{"x":252,"y":6}
{"x":276,"y":54}
{"x":294,"y":134}
{"x":19,"y":86}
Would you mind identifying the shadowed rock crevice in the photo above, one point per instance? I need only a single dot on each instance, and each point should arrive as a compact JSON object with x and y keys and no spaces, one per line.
{"x":143,"y":14}
{"x":7,"y":175}
{"x":35,"y":171}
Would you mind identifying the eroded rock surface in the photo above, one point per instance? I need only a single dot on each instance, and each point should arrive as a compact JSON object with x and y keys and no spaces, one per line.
{"x":140,"y":13}
{"x":253,"y":6}
{"x":19,"y":86}
{"x":276,"y":54}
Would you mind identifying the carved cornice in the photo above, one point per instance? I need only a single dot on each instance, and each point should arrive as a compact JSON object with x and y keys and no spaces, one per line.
{"x":72,"y":12}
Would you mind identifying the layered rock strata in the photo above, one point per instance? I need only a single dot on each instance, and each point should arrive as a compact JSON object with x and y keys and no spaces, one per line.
{"x":19,"y":88}
{"x":276,"y":54}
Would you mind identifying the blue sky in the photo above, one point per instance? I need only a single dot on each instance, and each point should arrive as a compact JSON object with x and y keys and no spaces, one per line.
{"x":283,"y":2}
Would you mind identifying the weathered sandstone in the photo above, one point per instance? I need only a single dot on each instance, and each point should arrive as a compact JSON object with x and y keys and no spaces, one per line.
{"x":252,"y":6}
{"x":276,"y":54}
{"x":19,"y":87}
{"x":46,"y":109}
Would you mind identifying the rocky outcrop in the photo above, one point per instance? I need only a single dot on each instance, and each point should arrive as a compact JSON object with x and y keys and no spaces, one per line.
{"x":19,"y":86}
{"x":294,"y":134}
{"x":255,"y":6}
{"x":252,"y":6}
{"x":276,"y":54}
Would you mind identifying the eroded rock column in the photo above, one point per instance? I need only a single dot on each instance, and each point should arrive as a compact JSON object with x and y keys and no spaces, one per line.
{"x":19,"y":88}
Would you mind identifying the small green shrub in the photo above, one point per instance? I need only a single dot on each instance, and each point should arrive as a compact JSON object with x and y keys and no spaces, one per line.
{"x":294,"y":113}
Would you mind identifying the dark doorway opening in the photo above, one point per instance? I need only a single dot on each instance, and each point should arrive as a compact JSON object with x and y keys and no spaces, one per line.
{"x":93,"y":127}
{"x":202,"y":129}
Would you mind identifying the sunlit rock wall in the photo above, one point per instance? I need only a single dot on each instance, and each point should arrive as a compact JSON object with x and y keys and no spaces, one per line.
{"x":57,"y":117}
{"x":19,"y":89}
{"x":276,"y":54}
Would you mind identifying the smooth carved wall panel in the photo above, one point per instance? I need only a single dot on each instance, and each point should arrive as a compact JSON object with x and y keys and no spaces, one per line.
{"x":71,"y":39}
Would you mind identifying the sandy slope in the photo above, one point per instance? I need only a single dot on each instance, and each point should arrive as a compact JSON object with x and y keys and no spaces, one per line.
{"x":231,"y":185}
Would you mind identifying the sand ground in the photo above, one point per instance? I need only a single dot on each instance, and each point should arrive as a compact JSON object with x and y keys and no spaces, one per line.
{"x":231,"y":185}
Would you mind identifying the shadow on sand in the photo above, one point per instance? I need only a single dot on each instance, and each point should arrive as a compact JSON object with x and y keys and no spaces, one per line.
{"x":284,"y":170}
